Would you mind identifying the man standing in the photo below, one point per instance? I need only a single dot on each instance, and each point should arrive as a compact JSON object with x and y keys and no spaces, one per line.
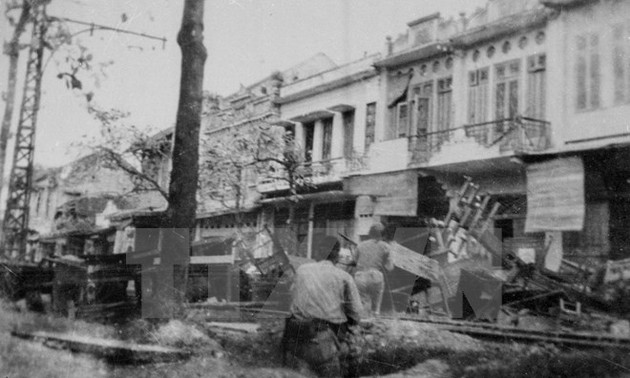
{"x":325,"y":300}
{"x":373,"y":261}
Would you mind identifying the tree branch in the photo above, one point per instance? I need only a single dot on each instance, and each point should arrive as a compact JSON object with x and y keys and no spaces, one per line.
{"x":122,"y":164}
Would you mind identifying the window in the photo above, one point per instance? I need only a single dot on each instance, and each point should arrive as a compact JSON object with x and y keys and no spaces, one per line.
{"x":621,"y":63}
{"x":402,"y":119}
{"x":507,"y":89}
{"x":398,"y":106}
{"x":327,"y":138}
{"x":348,"y":133}
{"x":536,"y":82}
{"x":309,"y":131}
{"x":444,"y":103}
{"x":370,"y":124}
{"x":478,"y":95}
{"x":423,"y":94}
{"x":587,"y":71}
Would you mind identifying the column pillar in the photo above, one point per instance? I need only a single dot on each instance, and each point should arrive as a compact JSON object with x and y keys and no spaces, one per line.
{"x":338,"y":136}
{"x":318,"y":140}
{"x":299,"y":134}
{"x":358,"y":144}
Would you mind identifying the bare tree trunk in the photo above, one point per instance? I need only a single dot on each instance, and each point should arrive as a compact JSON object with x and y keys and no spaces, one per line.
{"x":185,"y":174}
{"x":292,"y":228}
{"x":182,"y":196}
{"x":13,"y":51}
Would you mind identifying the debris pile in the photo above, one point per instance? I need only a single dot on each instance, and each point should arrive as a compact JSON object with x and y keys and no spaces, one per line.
{"x":505,"y":282}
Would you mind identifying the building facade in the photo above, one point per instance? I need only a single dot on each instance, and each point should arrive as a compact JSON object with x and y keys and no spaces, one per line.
{"x":332,"y":119}
{"x":588,"y":109}
{"x":69,"y":206}
{"x":239,"y":133}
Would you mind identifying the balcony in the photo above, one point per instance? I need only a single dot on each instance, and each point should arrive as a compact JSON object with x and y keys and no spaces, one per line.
{"x":497,"y":138}
{"x":316,"y":173}
{"x":517,"y":135}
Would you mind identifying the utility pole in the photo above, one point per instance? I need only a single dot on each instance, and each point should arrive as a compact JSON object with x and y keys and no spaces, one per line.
{"x":15,"y":225}
{"x":16,"y":218}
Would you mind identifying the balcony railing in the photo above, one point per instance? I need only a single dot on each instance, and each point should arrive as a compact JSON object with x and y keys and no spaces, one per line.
{"x":519,"y":134}
{"x":318,"y":172}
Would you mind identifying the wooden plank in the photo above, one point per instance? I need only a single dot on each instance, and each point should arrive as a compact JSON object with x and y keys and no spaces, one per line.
{"x":235,"y":326}
{"x":226,"y":259}
{"x":415,"y":263}
{"x":110,"y":349}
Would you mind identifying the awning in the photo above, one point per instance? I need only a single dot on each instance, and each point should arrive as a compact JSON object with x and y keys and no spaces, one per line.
{"x":218,"y":213}
{"x":555,"y":199}
{"x":399,"y":89}
{"x":329,"y":195}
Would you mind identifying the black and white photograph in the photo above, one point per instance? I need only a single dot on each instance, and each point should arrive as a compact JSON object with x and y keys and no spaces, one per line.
{"x":314,"y":188}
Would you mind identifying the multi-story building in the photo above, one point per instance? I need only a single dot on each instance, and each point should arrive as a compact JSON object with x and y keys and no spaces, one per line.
{"x":235,"y":206}
{"x":69,"y":205}
{"x":460,"y":98}
{"x":497,"y":93}
{"x":528,"y":98}
{"x":82,"y":178}
{"x":415,"y":100}
{"x":585,"y":179}
{"x":331,"y":116}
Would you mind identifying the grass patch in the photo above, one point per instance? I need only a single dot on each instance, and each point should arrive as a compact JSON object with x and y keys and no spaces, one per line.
{"x":19,"y":358}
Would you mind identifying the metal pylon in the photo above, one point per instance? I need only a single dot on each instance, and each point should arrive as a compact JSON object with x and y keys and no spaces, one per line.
{"x":15,"y":226}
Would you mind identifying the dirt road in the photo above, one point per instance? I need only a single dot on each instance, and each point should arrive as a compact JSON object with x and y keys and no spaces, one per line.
{"x":391,"y":348}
